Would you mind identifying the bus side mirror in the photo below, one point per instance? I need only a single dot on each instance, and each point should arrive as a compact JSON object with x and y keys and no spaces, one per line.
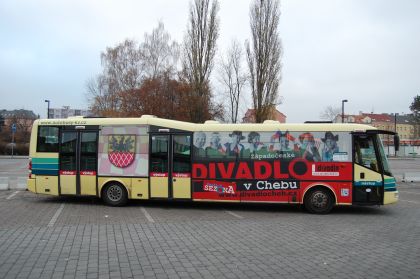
{"x":396,"y":142}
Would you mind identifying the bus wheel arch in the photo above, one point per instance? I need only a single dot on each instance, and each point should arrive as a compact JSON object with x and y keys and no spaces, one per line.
{"x":319,"y":199}
{"x":114,"y":193}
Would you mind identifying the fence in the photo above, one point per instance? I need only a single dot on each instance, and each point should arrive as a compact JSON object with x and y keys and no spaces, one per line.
{"x":405,"y":151}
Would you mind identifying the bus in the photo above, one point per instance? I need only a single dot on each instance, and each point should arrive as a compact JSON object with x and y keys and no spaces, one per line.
{"x":317,"y":165}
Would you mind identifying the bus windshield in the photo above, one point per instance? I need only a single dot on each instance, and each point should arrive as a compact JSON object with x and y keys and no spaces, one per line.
{"x":383,"y":157}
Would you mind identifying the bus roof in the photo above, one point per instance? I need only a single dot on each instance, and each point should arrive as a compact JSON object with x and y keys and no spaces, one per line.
{"x":210,"y":125}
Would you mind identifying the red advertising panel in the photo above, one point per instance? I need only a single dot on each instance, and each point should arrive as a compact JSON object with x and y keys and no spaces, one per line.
{"x":270,"y":166}
{"x":268,"y":181}
{"x":215,"y":190}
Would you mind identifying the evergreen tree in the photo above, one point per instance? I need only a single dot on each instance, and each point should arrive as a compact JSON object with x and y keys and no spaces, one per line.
{"x":415,"y":109}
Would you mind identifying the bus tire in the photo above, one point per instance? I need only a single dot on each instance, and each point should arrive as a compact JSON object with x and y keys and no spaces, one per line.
{"x":114,"y":194}
{"x":319,"y":200}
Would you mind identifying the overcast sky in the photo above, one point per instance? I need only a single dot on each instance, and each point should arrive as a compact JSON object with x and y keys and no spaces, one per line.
{"x":365,"y":51}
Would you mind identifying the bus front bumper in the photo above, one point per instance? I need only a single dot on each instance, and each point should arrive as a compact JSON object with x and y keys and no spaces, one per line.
{"x":390,"y":197}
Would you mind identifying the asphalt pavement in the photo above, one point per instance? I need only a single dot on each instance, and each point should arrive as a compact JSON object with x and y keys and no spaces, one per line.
{"x":70,"y":237}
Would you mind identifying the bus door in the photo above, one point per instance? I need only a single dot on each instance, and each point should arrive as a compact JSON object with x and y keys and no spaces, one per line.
{"x":170,"y":166}
{"x":78,"y":162}
{"x":368,"y":179}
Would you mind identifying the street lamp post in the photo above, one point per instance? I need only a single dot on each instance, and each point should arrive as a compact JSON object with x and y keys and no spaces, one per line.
{"x":13,"y":136}
{"x":48,"y":108}
{"x":342,"y":110}
{"x":396,"y":146}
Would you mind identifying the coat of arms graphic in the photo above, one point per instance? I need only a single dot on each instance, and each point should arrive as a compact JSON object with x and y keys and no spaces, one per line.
{"x":121,"y":150}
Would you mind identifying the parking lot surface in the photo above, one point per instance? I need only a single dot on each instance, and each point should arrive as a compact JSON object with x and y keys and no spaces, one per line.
{"x":50,"y":237}
{"x":57,"y":237}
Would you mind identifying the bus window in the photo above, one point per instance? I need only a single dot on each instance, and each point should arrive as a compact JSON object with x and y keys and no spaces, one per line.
{"x":181,"y":154}
{"x":88,"y":151}
{"x":68,"y":151}
{"x":384,"y":159}
{"x":159,"y":154}
{"x":47,"y":139}
{"x":365,"y":154}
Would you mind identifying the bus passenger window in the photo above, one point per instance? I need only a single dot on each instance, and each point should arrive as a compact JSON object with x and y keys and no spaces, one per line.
{"x":47,"y":139}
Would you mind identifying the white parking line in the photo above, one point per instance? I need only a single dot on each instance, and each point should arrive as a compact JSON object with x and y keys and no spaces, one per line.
{"x":12,"y":195}
{"x":148,"y":217}
{"x":410,"y":201}
{"x":409,"y":192}
{"x":55,"y":217}
{"x":234,"y":214}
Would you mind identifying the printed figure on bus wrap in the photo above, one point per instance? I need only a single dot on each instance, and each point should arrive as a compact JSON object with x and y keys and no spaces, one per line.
{"x":215,"y":149}
{"x":307,"y":147}
{"x":280,"y":142}
{"x":330,"y":146}
{"x":255,"y":146}
{"x":199,"y":142}
{"x":235,"y":147}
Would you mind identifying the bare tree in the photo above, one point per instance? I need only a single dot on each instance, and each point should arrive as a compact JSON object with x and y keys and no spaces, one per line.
{"x":263,"y":55}
{"x":330,"y":113}
{"x":122,"y":72}
{"x":233,"y":78}
{"x":123,"y":66}
{"x":199,"y":50}
{"x":160,"y":54}
{"x":102,"y":102}
{"x":1,"y":122}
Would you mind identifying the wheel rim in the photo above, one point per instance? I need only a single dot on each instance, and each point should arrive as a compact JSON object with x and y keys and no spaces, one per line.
{"x":114,"y":193}
{"x":320,"y":200}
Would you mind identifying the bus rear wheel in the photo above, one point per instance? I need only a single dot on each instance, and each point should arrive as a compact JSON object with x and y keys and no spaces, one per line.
{"x":114,"y":194}
{"x":319,"y":201}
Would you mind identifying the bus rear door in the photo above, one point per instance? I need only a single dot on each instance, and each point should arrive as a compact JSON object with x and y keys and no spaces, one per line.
{"x":170,"y":166}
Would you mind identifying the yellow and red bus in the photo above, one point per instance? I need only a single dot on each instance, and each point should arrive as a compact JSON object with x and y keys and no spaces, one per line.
{"x":318,"y":165}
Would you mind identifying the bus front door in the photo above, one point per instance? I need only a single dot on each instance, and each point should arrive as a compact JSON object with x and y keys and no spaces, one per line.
{"x":368,"y":179}
{"x":78,"y":162}
{"x":170,"y":166}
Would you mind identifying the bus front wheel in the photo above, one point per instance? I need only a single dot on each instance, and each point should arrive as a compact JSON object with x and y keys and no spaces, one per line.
{"x":114,"y":194}
{"x":319,"y":201}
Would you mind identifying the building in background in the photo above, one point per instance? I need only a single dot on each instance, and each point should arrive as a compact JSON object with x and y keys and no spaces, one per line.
{"x":382,"y":121}
{"x":275,"y":115}
{"x":15,"y":131}
{"x":66,"y":111}
{"x":403,"y":124}
{"x":22,"y":118}
{"x":406,"y":129}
